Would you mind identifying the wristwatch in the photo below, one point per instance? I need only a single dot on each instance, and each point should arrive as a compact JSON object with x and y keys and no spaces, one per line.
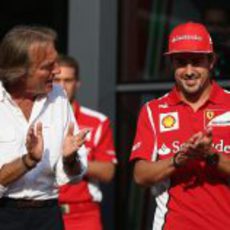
{"x":212,"y":159}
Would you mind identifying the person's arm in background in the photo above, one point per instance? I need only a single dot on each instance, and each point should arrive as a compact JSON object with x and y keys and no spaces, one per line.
{"x":102,"y":166}
{"x":102,"y":171}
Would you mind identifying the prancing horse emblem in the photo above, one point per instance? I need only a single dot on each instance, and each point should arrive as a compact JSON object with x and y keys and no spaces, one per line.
{"x":209,"y":114}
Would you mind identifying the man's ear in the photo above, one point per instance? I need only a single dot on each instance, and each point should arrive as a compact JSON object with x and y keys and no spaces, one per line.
{"x":213,"y":60}
{"x":78,"y":85}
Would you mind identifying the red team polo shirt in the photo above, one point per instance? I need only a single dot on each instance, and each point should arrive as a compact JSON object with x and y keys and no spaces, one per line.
{"x":195,"y":197}
{"x":100,"y":147}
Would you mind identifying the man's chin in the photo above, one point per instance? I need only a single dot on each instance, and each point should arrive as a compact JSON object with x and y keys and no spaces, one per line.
{"x":192,"y":92}
{"x":191,"y":88}
{"x":44,"y":92}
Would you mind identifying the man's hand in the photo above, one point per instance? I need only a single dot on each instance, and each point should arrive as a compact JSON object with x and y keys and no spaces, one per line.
{"x":34,"y":146}
{"x":73,"y":142}
{"x":200,"y":144}
{"x":196,"y":147}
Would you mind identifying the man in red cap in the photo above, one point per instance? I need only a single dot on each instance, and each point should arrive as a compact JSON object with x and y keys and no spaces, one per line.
{"x":182,"y":143}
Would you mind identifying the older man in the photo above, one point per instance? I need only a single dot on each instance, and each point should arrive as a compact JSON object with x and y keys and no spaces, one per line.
{"x":38,"y":144}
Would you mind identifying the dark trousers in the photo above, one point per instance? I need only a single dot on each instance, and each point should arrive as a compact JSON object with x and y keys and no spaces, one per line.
{"x":30,"y":218}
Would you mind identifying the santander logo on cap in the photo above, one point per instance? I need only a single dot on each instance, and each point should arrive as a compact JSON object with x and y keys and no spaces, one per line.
{"x":186,"y":37}
{"x":190,"y":37}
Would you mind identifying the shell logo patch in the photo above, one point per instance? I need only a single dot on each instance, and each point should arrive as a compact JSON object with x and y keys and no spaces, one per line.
{"x":169,"y":121}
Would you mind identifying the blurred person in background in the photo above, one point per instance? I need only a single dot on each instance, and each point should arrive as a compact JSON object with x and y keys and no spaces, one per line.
{"x":81,"y":202}
{"x":182,"y":143}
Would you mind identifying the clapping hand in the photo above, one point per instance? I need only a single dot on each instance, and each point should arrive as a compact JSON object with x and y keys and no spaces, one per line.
{"x":34,"y":143}
{"x":196,"y":147}
{"x":73,"y":142}
{"x":200,"y":144}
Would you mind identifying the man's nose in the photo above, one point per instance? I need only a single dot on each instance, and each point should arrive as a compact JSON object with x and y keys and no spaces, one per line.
{"x":189,"y":72}
{"x":62,"y":84}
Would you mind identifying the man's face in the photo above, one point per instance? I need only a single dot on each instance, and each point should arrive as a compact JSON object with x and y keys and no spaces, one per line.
{"x":42,"y":69}
{"x":192,"y":72}
{"x":66,"y":78}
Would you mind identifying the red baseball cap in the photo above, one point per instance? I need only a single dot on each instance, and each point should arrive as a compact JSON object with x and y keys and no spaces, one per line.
{"x":190,"y":37}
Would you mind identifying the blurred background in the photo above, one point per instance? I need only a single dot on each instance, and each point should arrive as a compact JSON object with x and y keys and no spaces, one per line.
{"x":119,"y":45}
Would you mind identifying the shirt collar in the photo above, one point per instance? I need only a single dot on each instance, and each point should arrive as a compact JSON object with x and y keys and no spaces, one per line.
{"x":3,"y":93}
{"x":174,"y":97}
{"x":217,"y":95}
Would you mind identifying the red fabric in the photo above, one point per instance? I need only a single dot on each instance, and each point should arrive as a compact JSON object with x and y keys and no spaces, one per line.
{"x":83,"y":217}
{"x":198,"y":195}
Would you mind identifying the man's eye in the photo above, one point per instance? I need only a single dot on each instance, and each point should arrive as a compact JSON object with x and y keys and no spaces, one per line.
{"x":69,"y":80}
{"x":181,"y":63}
{"x":48,"y":67}
{"x":196,"y":62}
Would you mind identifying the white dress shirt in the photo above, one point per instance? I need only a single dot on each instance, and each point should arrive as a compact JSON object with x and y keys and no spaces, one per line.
{"x":55,"y":114}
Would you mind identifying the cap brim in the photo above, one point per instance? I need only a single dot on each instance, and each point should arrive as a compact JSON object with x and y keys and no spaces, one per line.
{"x":189,"y":51}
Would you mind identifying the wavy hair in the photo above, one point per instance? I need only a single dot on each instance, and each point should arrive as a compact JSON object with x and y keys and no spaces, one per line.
{"x":14,"y":50}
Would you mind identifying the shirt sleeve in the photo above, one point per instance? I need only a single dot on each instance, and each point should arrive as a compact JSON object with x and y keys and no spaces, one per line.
{"x":61,"y":176}
{"x":145,"y":139}
{"x":103,"y":149}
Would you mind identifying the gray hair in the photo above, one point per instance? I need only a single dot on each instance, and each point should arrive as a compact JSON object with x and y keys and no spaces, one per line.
{"x":14,"y":50}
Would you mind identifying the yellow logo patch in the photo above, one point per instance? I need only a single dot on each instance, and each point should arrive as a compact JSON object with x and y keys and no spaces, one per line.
{"x":210,"y":115}
{"x":168,"y":121}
